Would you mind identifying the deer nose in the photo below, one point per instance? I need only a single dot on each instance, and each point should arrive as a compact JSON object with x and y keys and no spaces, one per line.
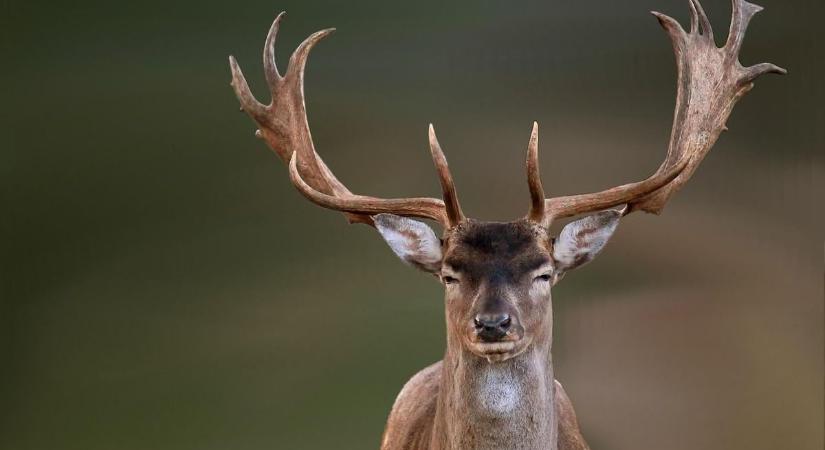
{"x":492,"y":327}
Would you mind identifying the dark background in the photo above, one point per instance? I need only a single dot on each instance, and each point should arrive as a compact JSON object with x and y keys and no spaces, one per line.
{"x":165,"y":287}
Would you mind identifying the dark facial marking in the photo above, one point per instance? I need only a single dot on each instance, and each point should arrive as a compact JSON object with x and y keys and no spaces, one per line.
{"x":495,"y":238}
{"x":496,"y":252}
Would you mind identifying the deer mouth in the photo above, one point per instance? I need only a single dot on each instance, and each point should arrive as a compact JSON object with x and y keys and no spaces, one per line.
{"x":498,"y":351}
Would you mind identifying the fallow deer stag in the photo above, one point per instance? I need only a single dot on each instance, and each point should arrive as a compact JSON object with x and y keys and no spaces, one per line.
{"x":495,"y":387}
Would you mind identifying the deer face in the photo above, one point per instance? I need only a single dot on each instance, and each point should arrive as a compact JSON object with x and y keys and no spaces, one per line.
{"x":497,"y":276}
{"x":497,"y":279}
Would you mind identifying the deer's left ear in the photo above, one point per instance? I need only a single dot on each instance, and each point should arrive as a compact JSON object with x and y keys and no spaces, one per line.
{"x":413,"y":241}
{"x":580,"y":241}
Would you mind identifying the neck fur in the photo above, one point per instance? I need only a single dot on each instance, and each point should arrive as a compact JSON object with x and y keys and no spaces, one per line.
{"x":508,"y":404}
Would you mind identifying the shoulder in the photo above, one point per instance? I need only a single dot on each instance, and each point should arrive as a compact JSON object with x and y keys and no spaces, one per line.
{"x":570,"y":436}
{"x":412,"y":415}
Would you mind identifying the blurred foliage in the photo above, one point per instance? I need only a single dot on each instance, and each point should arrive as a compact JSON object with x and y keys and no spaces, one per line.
{"x":164,"y":287}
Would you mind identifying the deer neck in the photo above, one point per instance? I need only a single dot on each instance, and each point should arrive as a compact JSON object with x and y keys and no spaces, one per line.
{"x":508,"y":404}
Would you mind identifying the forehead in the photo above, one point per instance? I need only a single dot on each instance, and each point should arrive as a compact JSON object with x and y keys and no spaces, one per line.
{"x":486,"y":248}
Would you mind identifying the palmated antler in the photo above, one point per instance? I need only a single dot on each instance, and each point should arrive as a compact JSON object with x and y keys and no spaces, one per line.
{"x":283,"y":125}
{"x":710,"y":81}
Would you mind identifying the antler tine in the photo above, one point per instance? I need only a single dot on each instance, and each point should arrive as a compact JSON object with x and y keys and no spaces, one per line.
{"x":298,"y":60}
{"x":270,"y":67}
{"x":741,"y":14}
{"x":694,"y":17}
{"x":536,"y":213}
{"x":249,"y":103}
{"x":453,"y":208}
{"x":283,"y":125}
{"x":710,"y":82}
{"x":698,"y":12}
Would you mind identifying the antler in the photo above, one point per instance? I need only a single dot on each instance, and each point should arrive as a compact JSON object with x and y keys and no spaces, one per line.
{"x":283,"y":125}
{"x":710,"y":81}
{"x":546,"y":210}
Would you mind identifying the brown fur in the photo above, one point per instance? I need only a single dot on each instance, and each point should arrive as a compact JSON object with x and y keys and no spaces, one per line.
{"x":477,"y":400}
{"x":411,"y":421}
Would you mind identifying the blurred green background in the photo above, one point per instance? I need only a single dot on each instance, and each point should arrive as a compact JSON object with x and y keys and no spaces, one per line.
{"x":165,"y":287}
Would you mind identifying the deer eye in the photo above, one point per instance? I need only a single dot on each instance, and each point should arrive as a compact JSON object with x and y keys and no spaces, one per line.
{"x":449,"y":280}
{"x":543,"y":278}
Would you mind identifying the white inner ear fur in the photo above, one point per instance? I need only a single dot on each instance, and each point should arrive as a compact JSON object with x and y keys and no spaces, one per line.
{"x":413,"y":241}
{"x":580,"y":241}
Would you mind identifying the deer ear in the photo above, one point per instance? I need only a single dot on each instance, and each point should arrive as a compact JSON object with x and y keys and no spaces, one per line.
{"x":413,"y":241}
{"x":580,"y":241}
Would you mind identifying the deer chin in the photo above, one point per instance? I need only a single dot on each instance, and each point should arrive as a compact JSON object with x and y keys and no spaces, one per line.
{"x":495,"y":352}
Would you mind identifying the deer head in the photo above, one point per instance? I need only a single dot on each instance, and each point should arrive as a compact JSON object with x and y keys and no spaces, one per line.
{"x":498,"y":276}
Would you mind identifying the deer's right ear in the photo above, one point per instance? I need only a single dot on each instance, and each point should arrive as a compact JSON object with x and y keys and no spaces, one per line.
{"x":413,"y":241}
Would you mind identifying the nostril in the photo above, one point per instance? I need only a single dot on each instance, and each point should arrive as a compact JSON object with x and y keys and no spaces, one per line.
{"x":505,"y":324}
{"x":492,"y":327}
{"x":500,"y":322}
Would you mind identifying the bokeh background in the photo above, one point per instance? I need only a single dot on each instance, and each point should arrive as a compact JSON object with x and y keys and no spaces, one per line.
{"x":165,"y":287}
